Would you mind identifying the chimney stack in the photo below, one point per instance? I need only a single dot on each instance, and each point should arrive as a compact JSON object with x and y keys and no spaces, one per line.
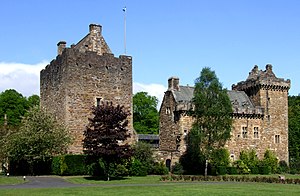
{"x":60,"y":47}
{"x":173,"y":83}
{"x":95,"y":29}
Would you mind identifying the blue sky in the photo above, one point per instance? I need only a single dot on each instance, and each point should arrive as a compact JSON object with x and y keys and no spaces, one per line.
{"x":165,"y":38}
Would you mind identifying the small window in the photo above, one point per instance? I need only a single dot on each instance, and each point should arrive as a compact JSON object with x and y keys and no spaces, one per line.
{"x":244,"y":132}
{"x":255,"y":132}
{"x":168,"y":110}
{"x":177,"y":147}
{"x":98,"y":101}
{"x":185,"y":132}
{"x":277,"y":139}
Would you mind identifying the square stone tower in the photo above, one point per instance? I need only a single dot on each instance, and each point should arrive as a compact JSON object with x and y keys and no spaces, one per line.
{"x":82,"y":76}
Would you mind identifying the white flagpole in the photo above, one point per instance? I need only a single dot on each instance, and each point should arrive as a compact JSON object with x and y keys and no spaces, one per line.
{"x":124,"y":10}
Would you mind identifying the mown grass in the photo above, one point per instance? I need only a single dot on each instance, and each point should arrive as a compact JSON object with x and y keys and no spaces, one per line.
{"x":124,"y":180}
{"x":174,"y":189}
{"x":10,"y":180}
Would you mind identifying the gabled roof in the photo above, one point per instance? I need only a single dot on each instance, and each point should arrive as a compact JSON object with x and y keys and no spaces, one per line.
{"x":184,"y":94}
{"x":239,"y":99}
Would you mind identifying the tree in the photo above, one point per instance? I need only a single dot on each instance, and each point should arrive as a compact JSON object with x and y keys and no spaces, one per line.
{"x":13,"y":105}
{"x":39,"y":136}
{"x":212,"y":113}
{"x":143,"y":154}
{"x":33,"y":100}
{"x":145,"y":114}
{"x":294,"y":132}
{"x":105,"y":135}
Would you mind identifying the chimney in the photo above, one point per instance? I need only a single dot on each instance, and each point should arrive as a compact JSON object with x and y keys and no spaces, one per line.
{"x":173,"y":83}
{"x":95,"y":29}
{"x":60,"y":47}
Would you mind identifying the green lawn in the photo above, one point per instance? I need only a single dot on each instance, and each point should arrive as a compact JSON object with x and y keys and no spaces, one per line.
{"x":173,"y":189}
{"x":125,"y":180}
{"x":11,"y":180}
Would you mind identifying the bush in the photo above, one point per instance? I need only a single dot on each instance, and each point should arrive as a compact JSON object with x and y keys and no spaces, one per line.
{"x":121,"y":170}
{"x":283,"y":167}
{"x":220,"y":157}
{"x":137,"y":168}
{"x":69,"y":165}
{"x":254,"y":170}
{"x":177,"y":169}
{"x":232,"y":170}
{"x":265,"y":170}
{"x":242,"y":168}
{"x":159,"y":169}
{"x":221,"y":170}
{"x":270,"y":160}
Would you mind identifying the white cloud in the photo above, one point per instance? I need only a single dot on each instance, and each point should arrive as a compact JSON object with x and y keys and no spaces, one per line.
{"x":156,"y":90}
{"x":24,"y":78}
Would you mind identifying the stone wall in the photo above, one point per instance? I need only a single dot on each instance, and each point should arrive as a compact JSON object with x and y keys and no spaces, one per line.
{"x":79,"y":79}
{"x":268,"y":118}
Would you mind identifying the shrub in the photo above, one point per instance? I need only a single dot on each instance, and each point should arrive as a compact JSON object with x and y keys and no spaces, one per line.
{"x":265,"y":170}
{"x":69,"y":165}
{"x":254,"y":170}
{"x":232,"y":170}
{"x":177,"y":169}
{"x":137,"y":168}
{"x":242,"y":168}
{"x":283,"y":167}
{"x":220,"y":157}
{"x":221,"y":170}
{"x":270,"y":160}
{"x":159,"y":169}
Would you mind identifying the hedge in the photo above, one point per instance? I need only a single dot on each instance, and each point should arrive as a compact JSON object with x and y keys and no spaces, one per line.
{"x":69,"y":165}
{"x":167,"y":178}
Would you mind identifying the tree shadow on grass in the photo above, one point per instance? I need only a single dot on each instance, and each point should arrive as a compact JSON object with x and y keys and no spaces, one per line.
{"x":103,"y":178}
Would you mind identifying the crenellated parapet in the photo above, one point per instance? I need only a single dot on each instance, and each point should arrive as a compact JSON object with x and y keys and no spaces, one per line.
{"x":266,"y":80}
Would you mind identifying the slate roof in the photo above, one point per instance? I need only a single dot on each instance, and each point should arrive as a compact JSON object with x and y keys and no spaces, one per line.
{"x":238,"y":99}
{"x":148,"y":137}
{"x":185,"y":94}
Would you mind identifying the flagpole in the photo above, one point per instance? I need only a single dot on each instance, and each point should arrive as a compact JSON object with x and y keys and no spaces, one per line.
{"x":124,"y":9}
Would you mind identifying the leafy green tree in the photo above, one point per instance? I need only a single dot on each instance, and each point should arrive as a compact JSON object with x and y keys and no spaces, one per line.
{"x":270,"y":160}
{"x":212,"y":112}
{"x":33,"y":100}
{"x":294,"y":132}
{"x":105,"y":136}
{"x":145,"y":114}
{"x":14,"y":105}
{"x":213,"y":121}
{"x":39,"y":136}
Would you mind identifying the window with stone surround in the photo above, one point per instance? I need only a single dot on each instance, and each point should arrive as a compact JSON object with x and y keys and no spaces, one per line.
{"x":277,"y":139}
{"x":255,"y":132}
{"x":244,"y":132}
{"x":168,"y":110}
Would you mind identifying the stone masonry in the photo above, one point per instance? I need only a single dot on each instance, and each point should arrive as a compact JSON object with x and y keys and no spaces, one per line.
{"x":82,"y":76}
{"x":260,"y":116}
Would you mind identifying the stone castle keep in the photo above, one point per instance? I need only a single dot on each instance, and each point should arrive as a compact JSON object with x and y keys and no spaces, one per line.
{"x":83,"y":76}
{"x":87,"y":74}
{"x":260,"y":116}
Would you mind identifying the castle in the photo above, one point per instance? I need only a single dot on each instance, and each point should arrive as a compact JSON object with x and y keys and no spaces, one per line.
{"x":260,"y":117}
{"x":86,"y":74}
{"x":83,"y":76}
